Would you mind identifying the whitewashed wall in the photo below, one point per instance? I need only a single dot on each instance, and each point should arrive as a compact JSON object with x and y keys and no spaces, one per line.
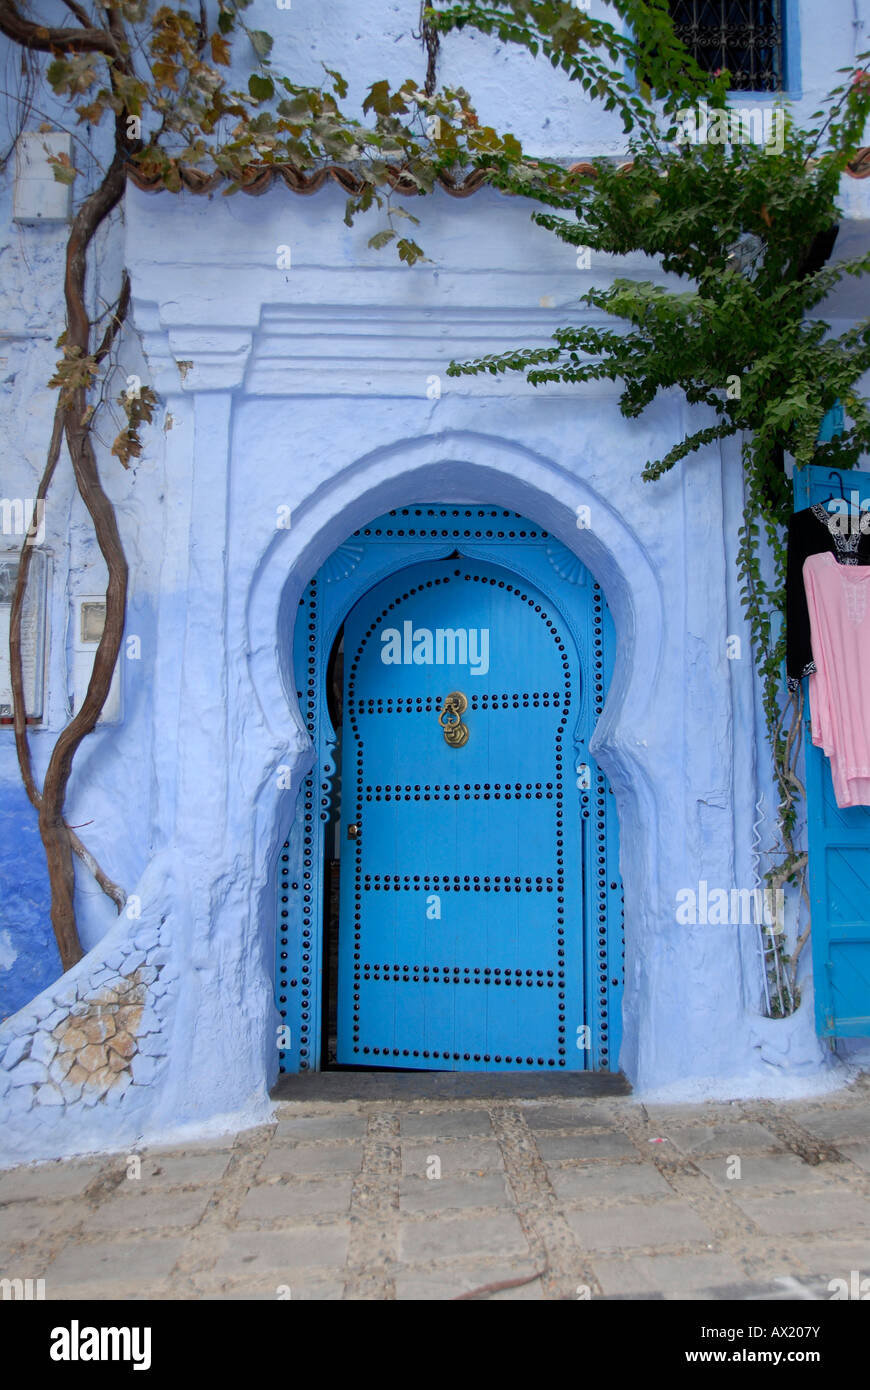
{"x":308,"y":389}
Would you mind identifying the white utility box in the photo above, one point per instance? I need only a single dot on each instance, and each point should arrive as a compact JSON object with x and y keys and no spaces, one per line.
{"x":89,"y":617}
{"x":38,"y":196}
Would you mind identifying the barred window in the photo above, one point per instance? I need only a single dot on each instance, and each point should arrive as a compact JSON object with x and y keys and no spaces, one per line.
{"x":744,"y":36}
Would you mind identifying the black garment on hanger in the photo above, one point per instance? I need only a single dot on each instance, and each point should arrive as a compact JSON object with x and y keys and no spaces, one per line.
{"x":809,"y":532}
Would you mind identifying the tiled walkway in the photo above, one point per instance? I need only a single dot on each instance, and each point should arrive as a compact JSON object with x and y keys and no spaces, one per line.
{"x":594,"y":1198}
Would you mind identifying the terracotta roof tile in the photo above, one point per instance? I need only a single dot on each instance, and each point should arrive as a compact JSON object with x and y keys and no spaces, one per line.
{"x":302,"y":181}
{"x":307,"y":182}
{"x":859,"y":167}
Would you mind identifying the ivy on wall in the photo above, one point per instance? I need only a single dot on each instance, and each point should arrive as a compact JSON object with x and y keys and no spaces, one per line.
{"x":749,"y":225}
{"x":157,"y":89}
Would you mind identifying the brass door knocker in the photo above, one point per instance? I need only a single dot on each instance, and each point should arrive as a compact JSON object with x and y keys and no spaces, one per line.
{"x":450,"y":719}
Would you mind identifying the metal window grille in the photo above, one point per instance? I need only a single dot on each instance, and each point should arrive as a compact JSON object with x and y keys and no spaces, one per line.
{"x":744,"y":36}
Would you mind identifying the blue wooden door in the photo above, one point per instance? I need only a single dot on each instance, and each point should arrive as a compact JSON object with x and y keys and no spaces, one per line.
{"x":839,"y":847}
{"x":461,"y":914}
{"x":591,"y":999}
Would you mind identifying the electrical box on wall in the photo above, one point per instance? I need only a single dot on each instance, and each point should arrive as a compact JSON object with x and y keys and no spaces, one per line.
{"x":89,"y":619}
{"x":39,"y":196}
{"x":33,"y":634}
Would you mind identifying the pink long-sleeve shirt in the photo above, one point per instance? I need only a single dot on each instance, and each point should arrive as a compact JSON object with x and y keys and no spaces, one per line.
{"x":838,"y":599}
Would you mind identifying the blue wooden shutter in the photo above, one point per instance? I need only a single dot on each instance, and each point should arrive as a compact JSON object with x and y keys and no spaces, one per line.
{"x":839,"y":845}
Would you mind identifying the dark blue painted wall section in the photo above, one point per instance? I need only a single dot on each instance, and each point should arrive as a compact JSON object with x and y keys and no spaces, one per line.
{"x":28,"y":953}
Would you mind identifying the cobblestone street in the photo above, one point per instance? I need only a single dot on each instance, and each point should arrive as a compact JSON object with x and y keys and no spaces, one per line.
{"x":563,"y":1199}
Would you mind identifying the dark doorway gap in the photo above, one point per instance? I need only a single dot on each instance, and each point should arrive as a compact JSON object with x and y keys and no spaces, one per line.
{"x":332,"y":864}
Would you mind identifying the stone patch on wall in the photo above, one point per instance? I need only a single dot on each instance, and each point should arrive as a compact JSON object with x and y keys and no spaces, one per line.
{"x":94,"y":1045}
{"x":95,"y":1037}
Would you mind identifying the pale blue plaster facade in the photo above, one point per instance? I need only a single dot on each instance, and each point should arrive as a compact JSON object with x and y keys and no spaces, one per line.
{"x":308,"y":390}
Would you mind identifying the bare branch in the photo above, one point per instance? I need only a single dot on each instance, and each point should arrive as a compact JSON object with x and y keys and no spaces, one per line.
{"x":19,"y":713}
{"x":49,"y":39}
{"x":118,"y":315}
{"x":804,"y":936}
{"x":81,"y":14}
{"x":109,"y":887}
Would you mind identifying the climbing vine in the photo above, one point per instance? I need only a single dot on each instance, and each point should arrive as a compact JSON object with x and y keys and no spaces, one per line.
{"x":154,"y":90}
{"x":749,"y":226}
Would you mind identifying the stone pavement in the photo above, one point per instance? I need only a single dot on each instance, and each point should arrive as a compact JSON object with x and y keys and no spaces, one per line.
{"x":557,"y":1199}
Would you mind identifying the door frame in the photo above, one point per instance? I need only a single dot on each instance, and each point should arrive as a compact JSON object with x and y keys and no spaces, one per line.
{"x":394,"y":541}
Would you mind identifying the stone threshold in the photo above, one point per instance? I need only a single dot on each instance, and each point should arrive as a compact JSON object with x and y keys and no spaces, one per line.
{"x":423,"y":1085}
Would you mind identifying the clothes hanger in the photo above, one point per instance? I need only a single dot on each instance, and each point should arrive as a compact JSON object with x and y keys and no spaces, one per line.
{"x":854,"y":512}
{"x":842,"y":495}
{"x":838,"y":476}
{"x":862,"y":500}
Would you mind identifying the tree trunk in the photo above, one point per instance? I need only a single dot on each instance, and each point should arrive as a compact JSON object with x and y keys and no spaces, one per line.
{"x":58,"y":840}
{"x":61,"y":876}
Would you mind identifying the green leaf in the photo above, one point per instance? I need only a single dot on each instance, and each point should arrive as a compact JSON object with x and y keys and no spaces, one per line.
{"x":381,"y":239}
{"x":297,"y":110}
{"x":57,"y":72}
{"x":400,"y":212}
{"x":409,"y":252}
{"x":339,"y":85}
{"x":261,"y":88}
{"x":261,"y":42}
{"x":378,"y":99}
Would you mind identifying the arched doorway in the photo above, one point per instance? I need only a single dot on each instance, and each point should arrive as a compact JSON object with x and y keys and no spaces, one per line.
{"x":528,"y":974}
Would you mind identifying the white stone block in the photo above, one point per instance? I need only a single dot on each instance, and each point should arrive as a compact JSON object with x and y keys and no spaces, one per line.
{"x":17,"y":1049}
{"x":43,"y":1047}
{"x":49,"y":1095}
{"x":145,"y":1069}
{"x":29,"y":1073}
{"x":58,"y":1069}
{"x":20,"y":1098}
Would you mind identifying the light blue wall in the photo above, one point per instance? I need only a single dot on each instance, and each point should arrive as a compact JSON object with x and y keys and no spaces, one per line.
{"x":309,"y":389}
{"x":29,"y":958}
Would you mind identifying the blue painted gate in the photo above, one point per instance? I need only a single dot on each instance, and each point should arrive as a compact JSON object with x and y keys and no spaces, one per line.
{"x":481,"y":908}
{"x":839,"y":847}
